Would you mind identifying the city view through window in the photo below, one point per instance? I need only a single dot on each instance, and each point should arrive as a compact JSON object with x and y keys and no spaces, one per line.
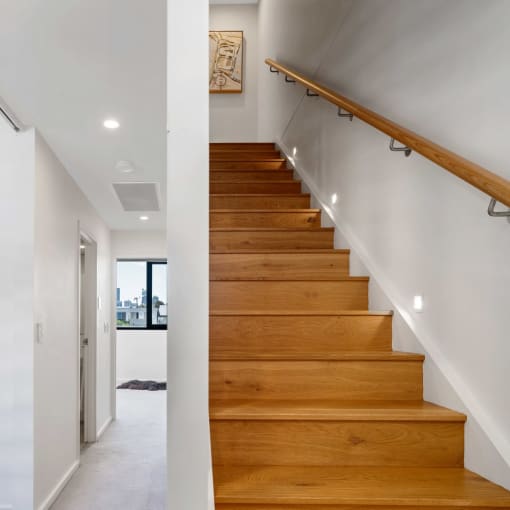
{"x":141,"y":294}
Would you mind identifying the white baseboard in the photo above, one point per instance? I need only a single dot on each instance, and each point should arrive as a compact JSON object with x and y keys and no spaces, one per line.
{"x":105,"y":425}
{"x":52,"y":497}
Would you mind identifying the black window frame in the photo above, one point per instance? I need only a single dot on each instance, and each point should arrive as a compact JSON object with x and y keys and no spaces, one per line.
{"x":150,"y":263}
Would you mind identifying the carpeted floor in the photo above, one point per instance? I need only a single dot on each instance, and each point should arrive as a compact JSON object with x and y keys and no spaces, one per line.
{"x":126,"y":469}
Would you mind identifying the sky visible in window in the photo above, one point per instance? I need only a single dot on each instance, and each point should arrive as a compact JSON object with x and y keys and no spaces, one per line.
{"x":131,"y":278}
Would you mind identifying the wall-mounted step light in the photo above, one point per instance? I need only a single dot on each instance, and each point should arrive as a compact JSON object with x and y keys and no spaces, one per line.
{"x":418,"y":303}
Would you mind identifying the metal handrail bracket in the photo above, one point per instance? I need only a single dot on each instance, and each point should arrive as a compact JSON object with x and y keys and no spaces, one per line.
{"x":406,"y":150}
{"x":348,"y":114}
{"x":497,"y":214}
{"x":9,"y":116}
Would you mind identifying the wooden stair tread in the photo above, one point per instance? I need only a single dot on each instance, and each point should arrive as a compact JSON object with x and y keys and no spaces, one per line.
{"x":262,"y":170}
{"x":260,"y":195}
{"x":335,"y":356}
{"x":283,"y":251}
{"x":264,"y":211}
{"x":272,"y":160}
{"x":334,"y":313}
{"x":269,"y":229}
{"x":356,"y":486}
{"x":294,"y":181}
{"x":336,"y":280}
{"x":325,"y":410}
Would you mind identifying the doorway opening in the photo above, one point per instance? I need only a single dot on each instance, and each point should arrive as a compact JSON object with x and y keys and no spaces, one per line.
{"x":88,"y":305}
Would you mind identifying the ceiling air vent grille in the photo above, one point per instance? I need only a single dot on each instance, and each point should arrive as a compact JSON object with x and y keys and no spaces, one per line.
{"x":138,"y":196}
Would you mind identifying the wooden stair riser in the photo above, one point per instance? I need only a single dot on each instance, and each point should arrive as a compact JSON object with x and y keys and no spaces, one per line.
{"x":279,"y":266}
{"x":340,"y":380}
{"x":244,"y":155}
{"x":254,"y":187}
{"x":250,"y":175}
{"x":242,"y":146}
{"x":298,"y":201}
{"x":268,"y":164}
{"x":226,"y":240}
{"x":273,"y":296}
{"x":246,"y":335}
{"x":337,"y":443}
{"x":225,"y":218}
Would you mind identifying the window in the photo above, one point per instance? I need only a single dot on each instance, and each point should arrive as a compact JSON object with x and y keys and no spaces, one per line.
{"x":141,"y":294}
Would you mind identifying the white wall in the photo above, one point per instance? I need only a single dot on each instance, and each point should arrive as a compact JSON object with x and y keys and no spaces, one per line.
{"x":16,"y":303}
{"x":60,"y":209}
{"x":434,"y":67}
{"x":233,"y":117}
{"x":139,"y":354}
{"x":188,"y":445}
{"x":297,"y":33}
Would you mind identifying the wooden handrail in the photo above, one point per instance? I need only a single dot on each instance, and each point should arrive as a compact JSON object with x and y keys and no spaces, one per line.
{"x":490,"y":183}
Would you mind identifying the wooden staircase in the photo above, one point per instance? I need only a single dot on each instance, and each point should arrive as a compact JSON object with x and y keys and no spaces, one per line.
{"x":310,"y":408}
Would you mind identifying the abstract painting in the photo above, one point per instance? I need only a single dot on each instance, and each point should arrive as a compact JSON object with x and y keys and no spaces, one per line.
{"x":225,"y":62}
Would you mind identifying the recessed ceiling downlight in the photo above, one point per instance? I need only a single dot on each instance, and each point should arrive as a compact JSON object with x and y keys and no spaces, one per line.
{"x":144,"y":218}
{"x":111,"y":124}
{"x":124,"y":167}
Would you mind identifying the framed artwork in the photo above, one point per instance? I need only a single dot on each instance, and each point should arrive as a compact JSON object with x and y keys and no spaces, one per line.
{"x":225,"y":62}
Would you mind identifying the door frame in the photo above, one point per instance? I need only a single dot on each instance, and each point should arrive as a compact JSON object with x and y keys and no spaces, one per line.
{"x":91,"y":298}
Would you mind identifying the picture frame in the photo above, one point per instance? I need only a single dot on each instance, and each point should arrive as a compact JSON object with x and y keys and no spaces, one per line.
{"x":226,"y":61}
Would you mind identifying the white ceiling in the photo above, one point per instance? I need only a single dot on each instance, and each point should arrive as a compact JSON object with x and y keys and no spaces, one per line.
{"x":66,"y":65}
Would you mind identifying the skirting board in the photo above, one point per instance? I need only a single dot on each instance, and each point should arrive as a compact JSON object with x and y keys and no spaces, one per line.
{"x":46,"y":504}
{"x":106,"y":424}
{"x":495,"y":435}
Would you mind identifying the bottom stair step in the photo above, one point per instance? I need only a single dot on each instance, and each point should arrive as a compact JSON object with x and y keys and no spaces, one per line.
{"x":349,"y":488}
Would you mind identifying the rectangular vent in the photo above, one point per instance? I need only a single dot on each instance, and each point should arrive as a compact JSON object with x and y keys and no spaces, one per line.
{"x":137,"y":196}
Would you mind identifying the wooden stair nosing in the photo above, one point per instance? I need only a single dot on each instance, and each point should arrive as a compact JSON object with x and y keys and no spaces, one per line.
{"x":333,"y":410}
{"x":333,"y":313}
{"x":212,"y":171}
{"x":337,"y":356}
{"x":336,"y":280}
{"x":266,"y":211}
{"x":287,"y":181}
{"x":261,"y":195}
{"x":241,"y":160}
{"x":355,"y":487}
{"x":229,"y":145}
{"x":283,"y":251}
{"x":270,"y":229}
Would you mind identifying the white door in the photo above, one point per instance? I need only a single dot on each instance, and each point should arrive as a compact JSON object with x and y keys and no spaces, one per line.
{"x":87,"y":338}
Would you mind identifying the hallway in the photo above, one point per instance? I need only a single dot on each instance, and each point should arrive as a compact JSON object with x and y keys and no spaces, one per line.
{"x":126,"y":469}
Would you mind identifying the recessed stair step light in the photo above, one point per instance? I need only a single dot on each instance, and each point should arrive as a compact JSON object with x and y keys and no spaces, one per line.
{"x":418,"y":303}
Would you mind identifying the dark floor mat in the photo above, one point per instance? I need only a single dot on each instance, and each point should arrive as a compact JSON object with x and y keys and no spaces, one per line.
{"x":135,"y":384}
